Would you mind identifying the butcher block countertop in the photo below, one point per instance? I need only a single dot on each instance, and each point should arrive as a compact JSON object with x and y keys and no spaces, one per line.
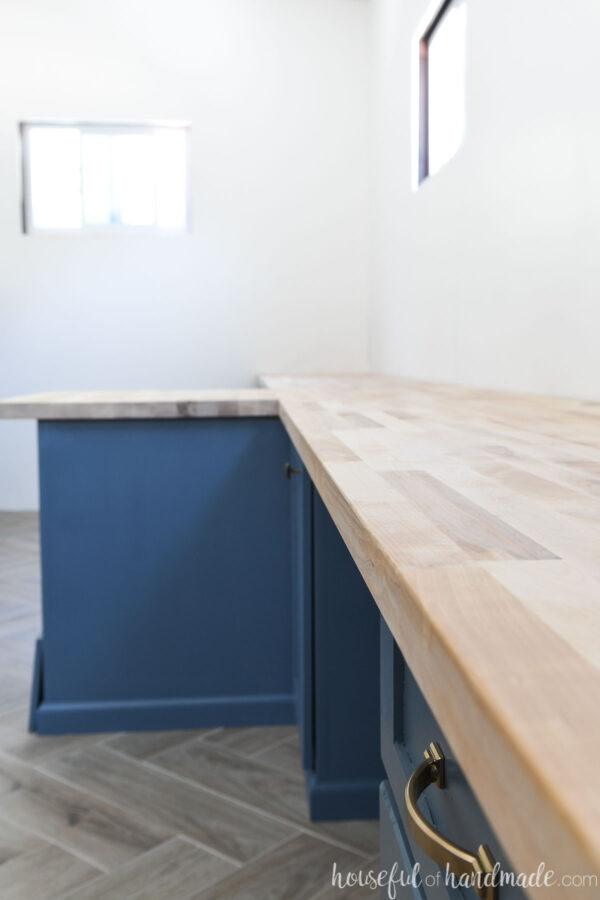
{"x":178,"y":404}
{"x":474,"y":518}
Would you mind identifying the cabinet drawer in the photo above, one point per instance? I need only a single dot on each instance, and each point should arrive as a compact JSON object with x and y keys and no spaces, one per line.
{"x":407,"y":729}
{"x":395,"y":853}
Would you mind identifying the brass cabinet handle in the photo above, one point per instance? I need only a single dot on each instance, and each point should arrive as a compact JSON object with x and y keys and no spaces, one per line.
{"x":442,"y":851}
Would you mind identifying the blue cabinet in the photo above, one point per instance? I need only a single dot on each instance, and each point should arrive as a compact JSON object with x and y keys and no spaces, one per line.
{"x":337,"y":663}
{"x":395,"y":854}
{"x":166,"y":575}
{"x":407,"y":729}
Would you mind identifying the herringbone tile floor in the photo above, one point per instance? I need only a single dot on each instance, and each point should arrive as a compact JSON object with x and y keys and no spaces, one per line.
{"x":178,"y":815}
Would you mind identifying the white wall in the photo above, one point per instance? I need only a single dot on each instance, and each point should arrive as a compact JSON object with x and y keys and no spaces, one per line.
{"x":276,"y":273}
{"x":490,"y":273}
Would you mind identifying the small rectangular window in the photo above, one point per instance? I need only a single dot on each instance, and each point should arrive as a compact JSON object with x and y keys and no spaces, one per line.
{"x":441,"y":87}
{"x":94,"y":178}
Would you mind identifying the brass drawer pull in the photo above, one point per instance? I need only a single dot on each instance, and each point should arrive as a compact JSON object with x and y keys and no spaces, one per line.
{"x":442,"y":851}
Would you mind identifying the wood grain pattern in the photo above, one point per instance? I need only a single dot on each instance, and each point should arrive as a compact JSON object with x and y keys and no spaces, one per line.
{"x":252,"y":783}
{"x":258,"y":785}
{"x":14,"y":841}
{"x":294,"y":871}
{"x":144,"y":744}
{"x":285,"y":756}
{"x":159,"y":799}
{"x":480,"y":534}
{"x":83,"y":825}
{"x":178,"y":870}
{"x":251,"y":740}
{"x":191,"y":404}
{"x":46,"y":872}
{"x":484,"y":559}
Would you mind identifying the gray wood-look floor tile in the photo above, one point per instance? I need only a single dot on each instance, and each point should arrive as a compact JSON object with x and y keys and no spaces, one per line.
{"x":143,"y":744}
{"x":15,"y":590}
{"x":223,"y":826}
{"x":43,"y":874}
{"x":11,"y":610}
{"x":294,"y":871}
{"x":362,"y":836}
{"x":7,"y":784}
{"x":177,"y":870}
{"x":263,"y":787}
{"x":14,"y":689}
{"x":246,"y":780}
{"x":19,"y":632}
{"x":14,"y":841}
{"x":251,"y":740}
{"x":284,"y":756}
{"x":105,"y":834}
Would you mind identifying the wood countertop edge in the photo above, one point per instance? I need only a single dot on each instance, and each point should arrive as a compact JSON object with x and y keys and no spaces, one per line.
{"x":518,"y":789}
{"x":93,"y":406}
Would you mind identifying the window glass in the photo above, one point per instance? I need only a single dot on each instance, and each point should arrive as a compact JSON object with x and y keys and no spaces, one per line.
{"x":446,"y":85}
{"x":55,"y":176}
{"x":105,"y":178}
{"x":96,"y":186}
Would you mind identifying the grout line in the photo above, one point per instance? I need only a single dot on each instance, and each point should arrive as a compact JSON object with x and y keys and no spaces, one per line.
{"x":125,"y":809}
{"x":103,"y":870}
{"x":224,"y":748}
{"x":280,"y":770}
{"x":215,"y":745}
{"x":183,"y":742}
{"x":119,"y":869}
{"x":257,"y":810}
{"x":48,"y":755}
{"x":337,"y":842}
{"x":33,"y":850}
{"x":153,"y":767}
{"x":133,"y":816}
{"x":253,"y":859}
{"x":269,"y":747}
{"x":264,"y":854}
{"x":210,"y":850}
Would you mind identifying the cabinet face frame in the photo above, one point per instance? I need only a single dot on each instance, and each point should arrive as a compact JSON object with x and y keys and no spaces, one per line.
{"x":302,"y":601}
{"x":336,"y":662}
